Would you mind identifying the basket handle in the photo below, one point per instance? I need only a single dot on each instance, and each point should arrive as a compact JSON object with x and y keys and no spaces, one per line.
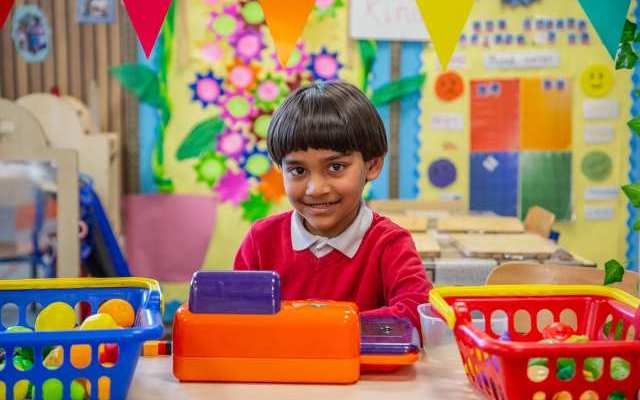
{"x":636,"y":324}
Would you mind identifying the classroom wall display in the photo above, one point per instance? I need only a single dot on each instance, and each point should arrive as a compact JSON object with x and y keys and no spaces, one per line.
{"x":221,"y":72}
{"x":31,"y":33}
{"x":545,"y":122}
{"x":95,"y":11}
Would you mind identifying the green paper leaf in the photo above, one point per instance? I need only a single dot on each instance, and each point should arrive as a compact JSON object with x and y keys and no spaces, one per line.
{"x":200,"y":139}
{"x":396,"y":90}
{"x":255,"y":207}
{"x":626,"y":57}
{"x":140,"y":80}
{"x":636,"y":226}
{"x":368,"y":52}
{"x":613,"y":272}
{"x":628,"y":32}
{"x":634,"y":124}
{"x":633,"y":193}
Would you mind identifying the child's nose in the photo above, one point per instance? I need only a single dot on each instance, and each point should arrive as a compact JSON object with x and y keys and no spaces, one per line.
{"x":317,"y":185}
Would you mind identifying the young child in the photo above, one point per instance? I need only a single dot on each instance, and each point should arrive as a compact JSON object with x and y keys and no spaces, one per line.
{"x":329,"y":141}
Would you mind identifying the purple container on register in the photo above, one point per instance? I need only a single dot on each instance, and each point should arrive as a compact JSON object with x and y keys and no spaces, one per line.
{"x":388,"y":335}
{"x":234,"y":292}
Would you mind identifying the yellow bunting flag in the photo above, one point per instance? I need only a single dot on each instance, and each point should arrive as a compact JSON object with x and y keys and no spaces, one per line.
{"x":445,"y":21}
{"x":286,"y":20}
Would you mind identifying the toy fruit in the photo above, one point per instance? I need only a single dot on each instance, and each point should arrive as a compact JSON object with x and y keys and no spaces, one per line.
{"x":56,"y":316}
{"x":558,"y":331}
{"x":120,"y":310}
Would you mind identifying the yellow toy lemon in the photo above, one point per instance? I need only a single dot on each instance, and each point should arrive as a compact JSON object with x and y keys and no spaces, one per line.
{"x":99,"y":321}
{"x":597,"y":80}
{"x":56,"y":316}
{"x":120,"y":310}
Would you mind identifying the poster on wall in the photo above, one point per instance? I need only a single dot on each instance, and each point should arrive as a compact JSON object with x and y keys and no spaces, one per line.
{"x":95,"y":11}
{"x":31,"y":33}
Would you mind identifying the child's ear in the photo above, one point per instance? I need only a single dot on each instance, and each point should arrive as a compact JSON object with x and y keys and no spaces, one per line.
{"x":374,"y":167}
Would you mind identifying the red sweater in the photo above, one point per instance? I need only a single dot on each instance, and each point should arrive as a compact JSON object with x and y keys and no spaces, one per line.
{"x":385,"y":276}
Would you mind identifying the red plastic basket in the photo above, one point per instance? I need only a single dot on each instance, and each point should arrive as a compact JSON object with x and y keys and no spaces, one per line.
{"x":503,"y":369}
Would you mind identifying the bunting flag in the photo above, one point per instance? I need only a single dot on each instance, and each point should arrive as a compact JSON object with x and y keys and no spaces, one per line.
{"x":147,"y":17}
{"x":286,"y":20}
{"x":5,"y":9}
{"x":608,"y":19}
{"x":444,"y":21}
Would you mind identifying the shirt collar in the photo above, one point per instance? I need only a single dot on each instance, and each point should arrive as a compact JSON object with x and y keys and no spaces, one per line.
{"x":347,"y":242}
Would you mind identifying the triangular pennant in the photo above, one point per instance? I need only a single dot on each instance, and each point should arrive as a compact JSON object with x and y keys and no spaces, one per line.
{"x":5,"y":9}
{"x":607,"y":17}
{"x":147,"y":17}
{"x":286,"y":20}
{"x":445,"y":21}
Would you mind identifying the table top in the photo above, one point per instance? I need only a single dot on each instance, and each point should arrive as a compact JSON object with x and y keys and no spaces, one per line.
{"x":527,"y":245}
{"x":412,"y":223}
{"x":480,"y":223}
{"x":438,"y":375}
{"x":427,"y":244}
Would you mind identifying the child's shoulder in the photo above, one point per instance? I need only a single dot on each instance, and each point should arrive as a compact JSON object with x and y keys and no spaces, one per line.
{"x":271,"y":224}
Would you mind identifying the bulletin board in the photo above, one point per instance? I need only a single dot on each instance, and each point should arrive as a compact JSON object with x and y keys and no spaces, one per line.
{"x":541,"y":120}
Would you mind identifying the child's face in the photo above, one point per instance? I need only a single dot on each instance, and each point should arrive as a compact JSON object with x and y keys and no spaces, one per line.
{"x":325,"y":187}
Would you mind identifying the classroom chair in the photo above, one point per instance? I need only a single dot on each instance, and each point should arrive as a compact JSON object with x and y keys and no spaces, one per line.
{"x":539,"y":221}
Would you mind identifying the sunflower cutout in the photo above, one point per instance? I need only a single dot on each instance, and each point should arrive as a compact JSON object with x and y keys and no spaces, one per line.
{"x":255,"y":163}
{"x":255,"y":207}
{"x":327,"y":8}
{"x":325,"y":66}
{"x":241,"y":76}
{"x":227,"y":23}
{"x":233,"y":187}
{"x":297,"y":63}
{"x":260,"y":125}
{"x":272,"y":185}
{"x":232,"y":143}
{"x":237,"y":108}
{"x":207,"y":89}
{"x":270,"y":92}
{"x":210,"y":167}
{"x":252,"y":13}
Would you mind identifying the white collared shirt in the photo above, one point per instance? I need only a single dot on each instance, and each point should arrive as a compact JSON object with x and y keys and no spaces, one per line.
{"x":347,"y":242}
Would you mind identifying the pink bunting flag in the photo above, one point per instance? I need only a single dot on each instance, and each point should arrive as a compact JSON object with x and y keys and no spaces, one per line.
{"x":147,"y":17}
{"x":5,"y":9}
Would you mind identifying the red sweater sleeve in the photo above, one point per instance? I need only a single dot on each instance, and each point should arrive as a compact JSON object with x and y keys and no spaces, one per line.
{"x":247,"y":257}
{"x":404,"y":280}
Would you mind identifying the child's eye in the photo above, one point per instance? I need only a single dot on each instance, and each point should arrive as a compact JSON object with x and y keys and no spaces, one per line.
{"x":335,"y":167}
{"x":296,"y":171}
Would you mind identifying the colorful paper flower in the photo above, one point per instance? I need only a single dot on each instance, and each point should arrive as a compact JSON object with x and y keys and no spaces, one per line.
{"x":237,"y":108}
{"x":325,"y":65}
{"x":327,"y":8}
{"x":297,"y":61}
{"x":207,"y":89}
{"x":249,"y":44}
{"x":252,"y":12}
{"x":232,"y":143}
{"x":233,"y":187}
{"x":260,"y":125}
{"x":242,"y":76}
{"x":301,"y":79}
{"x":210,"y":167}
{"x":227,"y":23}
{"x":272,"y":185}
{"x":256,"y":163}
{"x":270,"y":92}
{"x":212,"y":52}
{"x":255,"y":207}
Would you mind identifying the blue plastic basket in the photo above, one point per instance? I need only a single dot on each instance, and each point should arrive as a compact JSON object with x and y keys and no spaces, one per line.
{"x":143,"y":294}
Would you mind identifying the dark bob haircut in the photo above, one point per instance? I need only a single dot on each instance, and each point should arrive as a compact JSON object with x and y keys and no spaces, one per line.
{"x":327,"y":115}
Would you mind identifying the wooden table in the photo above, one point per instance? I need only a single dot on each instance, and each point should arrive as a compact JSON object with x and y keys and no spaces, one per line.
{"x":412,"y":223}
{"x":427,"y":244}
{"x":480,"y":223}
{"x":505,"y":246}
{"x":439,"y":375}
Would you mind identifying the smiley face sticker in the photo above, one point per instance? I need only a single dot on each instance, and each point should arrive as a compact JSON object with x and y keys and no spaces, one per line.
{"x":597,"y":80}
{"x":449,"y":86}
